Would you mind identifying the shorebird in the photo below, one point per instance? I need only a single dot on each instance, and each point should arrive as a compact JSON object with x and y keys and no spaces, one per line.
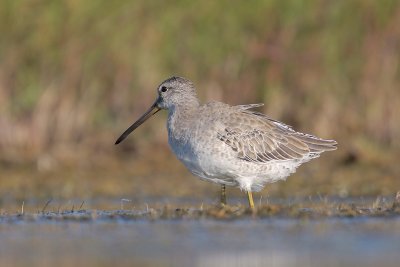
{"x":230,"y":145}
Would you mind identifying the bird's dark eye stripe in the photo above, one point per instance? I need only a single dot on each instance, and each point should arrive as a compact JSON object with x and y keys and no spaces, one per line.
{"x":164,"y":89}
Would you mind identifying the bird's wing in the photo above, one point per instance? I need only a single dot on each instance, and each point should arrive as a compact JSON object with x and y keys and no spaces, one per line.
{"x":257,"y":138}
{"x":250,"y":106}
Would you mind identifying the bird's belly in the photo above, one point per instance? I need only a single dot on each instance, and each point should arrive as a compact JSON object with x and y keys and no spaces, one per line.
{"x":202,"y":162}
{"x":221,"y":165}
{"x":184,"y":152}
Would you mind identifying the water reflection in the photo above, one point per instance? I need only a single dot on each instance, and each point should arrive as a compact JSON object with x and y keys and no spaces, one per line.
{"x":263,"y":242}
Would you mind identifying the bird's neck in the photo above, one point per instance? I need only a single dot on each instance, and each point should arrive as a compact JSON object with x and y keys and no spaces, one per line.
{"x":180,"y":118}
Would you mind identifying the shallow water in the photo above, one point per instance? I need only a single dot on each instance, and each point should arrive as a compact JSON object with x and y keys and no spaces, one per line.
{"x":248,"y":242}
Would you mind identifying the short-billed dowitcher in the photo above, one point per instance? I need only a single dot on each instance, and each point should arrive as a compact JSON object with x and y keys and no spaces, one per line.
{"x":230,"y":145}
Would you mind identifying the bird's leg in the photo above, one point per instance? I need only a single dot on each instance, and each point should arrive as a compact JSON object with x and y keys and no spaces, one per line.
{"x":223,"y":195}
{"x":251,"y":202}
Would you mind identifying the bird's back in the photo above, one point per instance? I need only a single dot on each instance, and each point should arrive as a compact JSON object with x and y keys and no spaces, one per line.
{"x":257,"y":138}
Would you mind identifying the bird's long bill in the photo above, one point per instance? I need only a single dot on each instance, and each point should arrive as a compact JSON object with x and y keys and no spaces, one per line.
{"x":150,"y":112}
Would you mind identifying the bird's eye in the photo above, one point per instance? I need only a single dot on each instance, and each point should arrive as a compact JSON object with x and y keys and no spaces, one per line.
{"x":164,"y":89}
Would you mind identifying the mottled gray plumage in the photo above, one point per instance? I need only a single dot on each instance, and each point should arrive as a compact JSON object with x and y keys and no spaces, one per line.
{"x":230,"y":145}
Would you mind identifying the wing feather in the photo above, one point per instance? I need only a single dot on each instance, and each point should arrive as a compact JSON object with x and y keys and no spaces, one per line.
{"x":257,"y":138}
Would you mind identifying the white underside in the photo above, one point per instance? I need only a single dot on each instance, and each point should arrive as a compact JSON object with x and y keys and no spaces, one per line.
{"x":247,"y":176}
{"x":220,"y":165}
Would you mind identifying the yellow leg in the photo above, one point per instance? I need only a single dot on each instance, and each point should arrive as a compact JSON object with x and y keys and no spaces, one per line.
{"x":223,"y":195}
{"x":251,"y":202}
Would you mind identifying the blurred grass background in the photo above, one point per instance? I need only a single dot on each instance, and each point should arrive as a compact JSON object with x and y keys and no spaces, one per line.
{"x":74,"y":74}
